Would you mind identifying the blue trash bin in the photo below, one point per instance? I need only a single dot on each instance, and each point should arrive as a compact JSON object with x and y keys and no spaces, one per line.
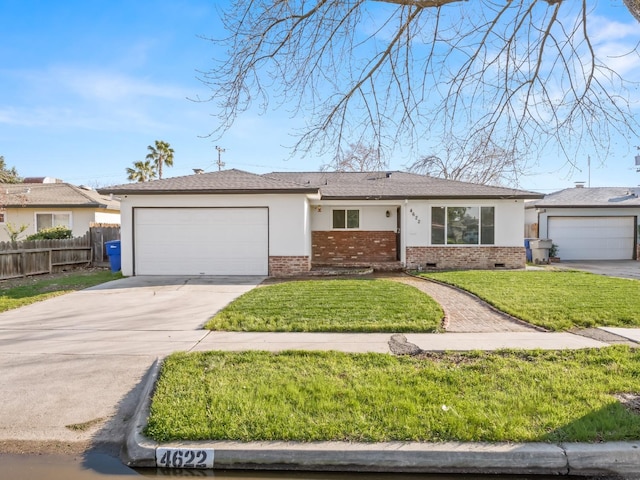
{"x":527,"y":246}
{"x":113,"y":250}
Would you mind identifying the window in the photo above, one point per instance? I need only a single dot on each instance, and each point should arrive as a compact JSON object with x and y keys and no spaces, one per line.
{"x":462,"y":225}
{"x":1,"y":217}
{"x":48,"y":220}
{"x":346,"y":219}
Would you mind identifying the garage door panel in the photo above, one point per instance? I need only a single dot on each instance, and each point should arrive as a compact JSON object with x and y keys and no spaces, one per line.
{"x":593,"y":238}
{"x":201,"y":241}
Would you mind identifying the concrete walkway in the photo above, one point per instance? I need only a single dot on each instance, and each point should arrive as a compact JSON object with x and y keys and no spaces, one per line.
{"x":73,"y":367}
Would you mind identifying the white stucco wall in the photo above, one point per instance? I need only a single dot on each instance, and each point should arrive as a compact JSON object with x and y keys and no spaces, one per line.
{"x":509,"y":220}
{"x":288,"y":219}
{"x":372,"y":214}
{"x":81,"y":218}
{"x":107,"y":217}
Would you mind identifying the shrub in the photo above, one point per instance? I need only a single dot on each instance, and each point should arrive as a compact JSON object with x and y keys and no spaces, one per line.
{"x":53,"y":233}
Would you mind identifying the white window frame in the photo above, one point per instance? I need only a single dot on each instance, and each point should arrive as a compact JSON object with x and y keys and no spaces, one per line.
{"x":446,"y":226}
{"x":35,"y":218}
{"x":346,"y":210}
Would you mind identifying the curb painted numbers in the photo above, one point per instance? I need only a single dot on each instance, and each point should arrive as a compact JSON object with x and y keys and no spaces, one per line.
{"x":184,"y":458}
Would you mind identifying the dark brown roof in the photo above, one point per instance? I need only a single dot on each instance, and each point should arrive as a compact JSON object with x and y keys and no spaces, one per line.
{"x":53,"y":195}
{"x":395,"y":185}
{"x":331,"y":185}
{"x":225,"y":181}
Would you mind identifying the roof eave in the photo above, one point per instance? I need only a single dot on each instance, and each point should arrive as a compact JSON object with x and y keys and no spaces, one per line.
{"x":546,"y":205}
{"x":430,"y":197}
{"x":210,"y":191}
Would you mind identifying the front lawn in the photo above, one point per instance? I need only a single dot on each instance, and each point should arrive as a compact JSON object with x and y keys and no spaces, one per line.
{"x":559,"y":396}
{"x":355,"y":305}
{"x":552,"y":299}
{"x":15,"y":293}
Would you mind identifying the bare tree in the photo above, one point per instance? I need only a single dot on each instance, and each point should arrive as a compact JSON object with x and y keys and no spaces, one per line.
{"x":357,"y":158}
{"x":484,"y":163}
{"x":524,"y":75}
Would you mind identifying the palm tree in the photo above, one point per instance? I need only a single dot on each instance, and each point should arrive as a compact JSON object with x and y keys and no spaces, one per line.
{"x":143,"y":171}
{"x":161,"y":154}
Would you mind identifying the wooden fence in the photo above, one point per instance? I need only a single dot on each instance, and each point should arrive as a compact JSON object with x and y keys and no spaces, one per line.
{"x":35,"y":257}
{"x":101,"y":233}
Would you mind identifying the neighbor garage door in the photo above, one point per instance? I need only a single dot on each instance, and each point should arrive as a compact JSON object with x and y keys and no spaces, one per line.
{"x":201,"y":241}
{"x":593,"y":238}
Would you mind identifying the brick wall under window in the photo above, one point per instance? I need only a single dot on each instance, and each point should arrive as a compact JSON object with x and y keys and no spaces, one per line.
{"x":480,"y":257}
{"x":352,"y":247}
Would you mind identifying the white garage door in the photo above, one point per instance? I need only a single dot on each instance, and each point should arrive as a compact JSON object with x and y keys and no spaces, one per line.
{"x":593,"y":238}
{"x":201,"y":241}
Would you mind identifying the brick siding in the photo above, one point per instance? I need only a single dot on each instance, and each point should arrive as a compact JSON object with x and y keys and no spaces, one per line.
{"x":288,"y":266}
{"x":471,"y":257}
{"x":352,"y":247}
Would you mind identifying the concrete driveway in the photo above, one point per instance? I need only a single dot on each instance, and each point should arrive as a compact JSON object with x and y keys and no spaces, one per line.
{"x":105,"y":339}
{"x":612,"y":268}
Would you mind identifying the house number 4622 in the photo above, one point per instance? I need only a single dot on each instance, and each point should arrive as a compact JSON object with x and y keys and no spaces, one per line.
{"x":184,"y":458}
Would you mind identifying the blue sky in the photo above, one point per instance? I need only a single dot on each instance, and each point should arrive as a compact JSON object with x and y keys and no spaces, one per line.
{"x":85,"y":86}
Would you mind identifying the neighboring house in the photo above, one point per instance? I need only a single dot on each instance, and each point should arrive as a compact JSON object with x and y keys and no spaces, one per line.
{"x":589,"y":223}
{"x":237,"y":223}
{"x":44,"y":205}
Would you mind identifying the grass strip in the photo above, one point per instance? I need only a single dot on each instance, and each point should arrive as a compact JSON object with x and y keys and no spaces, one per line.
{"x":362,"y":305}
{"x":34,"y":289}
{"x":552,"y":299}
{"x":332,"y":396}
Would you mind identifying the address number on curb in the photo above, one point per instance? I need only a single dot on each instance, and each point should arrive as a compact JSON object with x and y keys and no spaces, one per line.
{"x":184,"y":458}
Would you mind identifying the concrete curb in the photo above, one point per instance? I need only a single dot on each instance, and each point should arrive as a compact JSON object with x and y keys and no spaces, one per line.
{"x":138,"y":450}
{"x":612,"y":458}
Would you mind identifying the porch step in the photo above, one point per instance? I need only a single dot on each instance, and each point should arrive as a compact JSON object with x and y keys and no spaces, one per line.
{"x":355,"y":268}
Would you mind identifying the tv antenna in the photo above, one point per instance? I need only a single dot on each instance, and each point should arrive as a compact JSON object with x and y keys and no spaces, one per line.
{"x":220,"y":163}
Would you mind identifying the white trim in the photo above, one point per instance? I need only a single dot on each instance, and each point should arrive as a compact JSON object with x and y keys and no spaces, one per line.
{"x":346,"y":219}
{"x":52,"y":212}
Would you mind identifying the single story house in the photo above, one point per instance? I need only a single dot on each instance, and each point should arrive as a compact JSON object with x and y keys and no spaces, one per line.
{"x":233,"y":222}
{"x":44,"y":205}
{"x":588,"y":223}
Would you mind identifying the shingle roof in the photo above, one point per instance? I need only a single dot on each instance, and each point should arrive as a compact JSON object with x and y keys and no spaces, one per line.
{"x":53,"y":195}
{"x":225,"y":181}
{"x":331,"y":185}
{"x":607,"y":197}
{"x":395,"y":185}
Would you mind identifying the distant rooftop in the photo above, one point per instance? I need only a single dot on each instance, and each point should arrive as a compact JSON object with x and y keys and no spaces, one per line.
{"x":591,"y":197}
{"x":54,"y":195}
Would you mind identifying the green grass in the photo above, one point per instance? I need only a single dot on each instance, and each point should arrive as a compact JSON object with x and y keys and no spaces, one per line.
{"x":17,"y":293}
{"x":362,"y":305}
{"x":332,"y":396}
{"x":552,"y":299}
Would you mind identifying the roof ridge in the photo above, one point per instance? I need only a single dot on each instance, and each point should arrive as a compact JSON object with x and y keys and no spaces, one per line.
{"x":81,"y":192}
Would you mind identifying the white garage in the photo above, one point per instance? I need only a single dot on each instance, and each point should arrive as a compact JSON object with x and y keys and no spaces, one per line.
{"x":201,"y":241}
{"x":593,"y":238}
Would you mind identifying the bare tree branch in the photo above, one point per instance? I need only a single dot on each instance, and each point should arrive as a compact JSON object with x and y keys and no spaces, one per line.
{"x":521,"y":75}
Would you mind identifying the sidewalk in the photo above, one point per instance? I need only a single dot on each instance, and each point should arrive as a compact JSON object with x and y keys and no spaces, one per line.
{"x":87,"y":355}
{"x":476,"y":326}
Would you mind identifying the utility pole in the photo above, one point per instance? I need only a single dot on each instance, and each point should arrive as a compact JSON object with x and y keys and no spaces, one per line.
{"x":220,"y":162}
